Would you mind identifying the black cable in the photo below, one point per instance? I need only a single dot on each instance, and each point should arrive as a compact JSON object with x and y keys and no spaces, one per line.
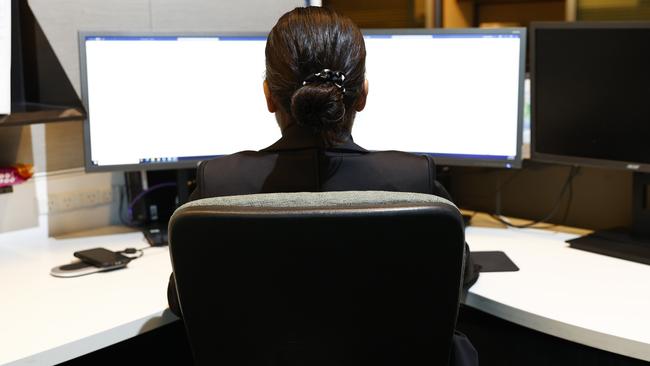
{"x":120,"y":209}
{"x":128,"y":251}
{"x":569,"y":200}
{"x":567,"y":186}
{"x":138,"y":251}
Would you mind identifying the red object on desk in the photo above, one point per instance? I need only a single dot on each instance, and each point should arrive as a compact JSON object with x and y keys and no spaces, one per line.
{"x":19,"y":173}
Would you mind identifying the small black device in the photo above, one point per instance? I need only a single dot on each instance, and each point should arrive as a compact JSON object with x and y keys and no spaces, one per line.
{"x":156,"y":236}
{"x":493,"y":261}
{"x":102,"y":258}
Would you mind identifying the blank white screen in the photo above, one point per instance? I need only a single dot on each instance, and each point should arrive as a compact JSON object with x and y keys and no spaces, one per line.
{"x":442,"y":94}
{"x":5,"y":57}
{"x":168,"y":97}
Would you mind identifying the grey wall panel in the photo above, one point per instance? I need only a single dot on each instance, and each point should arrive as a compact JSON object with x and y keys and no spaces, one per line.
{"x":63,"y":141}
{"x":62,"y":19}
{"x":15,"y":145}
{"x":200,"y":15}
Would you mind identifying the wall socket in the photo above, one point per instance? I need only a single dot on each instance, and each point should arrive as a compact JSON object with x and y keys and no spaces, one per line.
{"x":75,"y":200}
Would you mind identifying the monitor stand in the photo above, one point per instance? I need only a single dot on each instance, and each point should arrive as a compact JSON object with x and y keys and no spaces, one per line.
{"x":631,"y":244}
{"x":155,"y":228}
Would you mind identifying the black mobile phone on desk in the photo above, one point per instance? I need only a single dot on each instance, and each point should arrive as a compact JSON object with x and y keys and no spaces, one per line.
{"x":102,"y":258}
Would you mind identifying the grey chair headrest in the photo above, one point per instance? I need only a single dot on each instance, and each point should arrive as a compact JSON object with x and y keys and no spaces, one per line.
{"x":351,"y":199}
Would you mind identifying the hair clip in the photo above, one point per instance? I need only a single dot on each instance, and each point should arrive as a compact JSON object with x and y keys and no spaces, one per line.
{"x":327,"y":75}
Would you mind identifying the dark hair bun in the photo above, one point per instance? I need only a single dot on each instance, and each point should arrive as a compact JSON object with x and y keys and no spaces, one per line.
{"x":318,"y":105}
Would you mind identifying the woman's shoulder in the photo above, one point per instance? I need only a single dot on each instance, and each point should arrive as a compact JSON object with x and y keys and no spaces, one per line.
{"x":400,"y":162}
{"x":234,"y":157}
{"x":399,"y":155}
{"x":240,"y":173}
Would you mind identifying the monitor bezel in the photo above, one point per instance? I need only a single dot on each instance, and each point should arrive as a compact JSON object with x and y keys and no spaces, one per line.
{"x":82,"y":35}
{"x":190,"y":163}
{"x":570,"y":159}
{"x":464,"y":161}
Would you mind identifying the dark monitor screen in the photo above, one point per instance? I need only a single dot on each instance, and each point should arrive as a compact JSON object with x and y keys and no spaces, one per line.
{"x":165,"y":101}
{"x":591,"y":94}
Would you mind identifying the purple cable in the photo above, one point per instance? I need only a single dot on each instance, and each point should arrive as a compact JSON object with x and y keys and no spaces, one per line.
{"x":143,"y":193}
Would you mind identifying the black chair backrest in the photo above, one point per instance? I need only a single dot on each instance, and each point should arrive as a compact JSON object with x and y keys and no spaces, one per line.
{"x":330,"y":278}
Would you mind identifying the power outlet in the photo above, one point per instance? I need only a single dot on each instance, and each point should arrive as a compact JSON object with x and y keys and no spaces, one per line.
{"x":89,"y":198}
{"x":75,"y":200}
{"x":69,"y":201}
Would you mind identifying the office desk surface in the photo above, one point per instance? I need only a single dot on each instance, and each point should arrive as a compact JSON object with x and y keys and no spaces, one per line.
{"x":587,"y":298}
{"x":46,"y":320}
{"x":599,"y":301}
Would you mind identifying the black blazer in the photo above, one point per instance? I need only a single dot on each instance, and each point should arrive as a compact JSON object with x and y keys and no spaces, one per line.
{"x":299,"y":162}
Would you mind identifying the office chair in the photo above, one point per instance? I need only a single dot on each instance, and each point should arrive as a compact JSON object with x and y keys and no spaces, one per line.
{"x":329,"y":278}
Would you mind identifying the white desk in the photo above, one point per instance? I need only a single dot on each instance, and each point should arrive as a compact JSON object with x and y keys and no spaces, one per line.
{"x":583,"y":297}
{"x":46,"y":320}
{"x":587,"y":298}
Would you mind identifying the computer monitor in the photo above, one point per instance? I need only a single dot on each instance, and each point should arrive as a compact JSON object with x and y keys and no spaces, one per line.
{"x":590,"y":85}
{"x":591,"y":92}
{"x":454,"y":94}
{"x":161,"y":101}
